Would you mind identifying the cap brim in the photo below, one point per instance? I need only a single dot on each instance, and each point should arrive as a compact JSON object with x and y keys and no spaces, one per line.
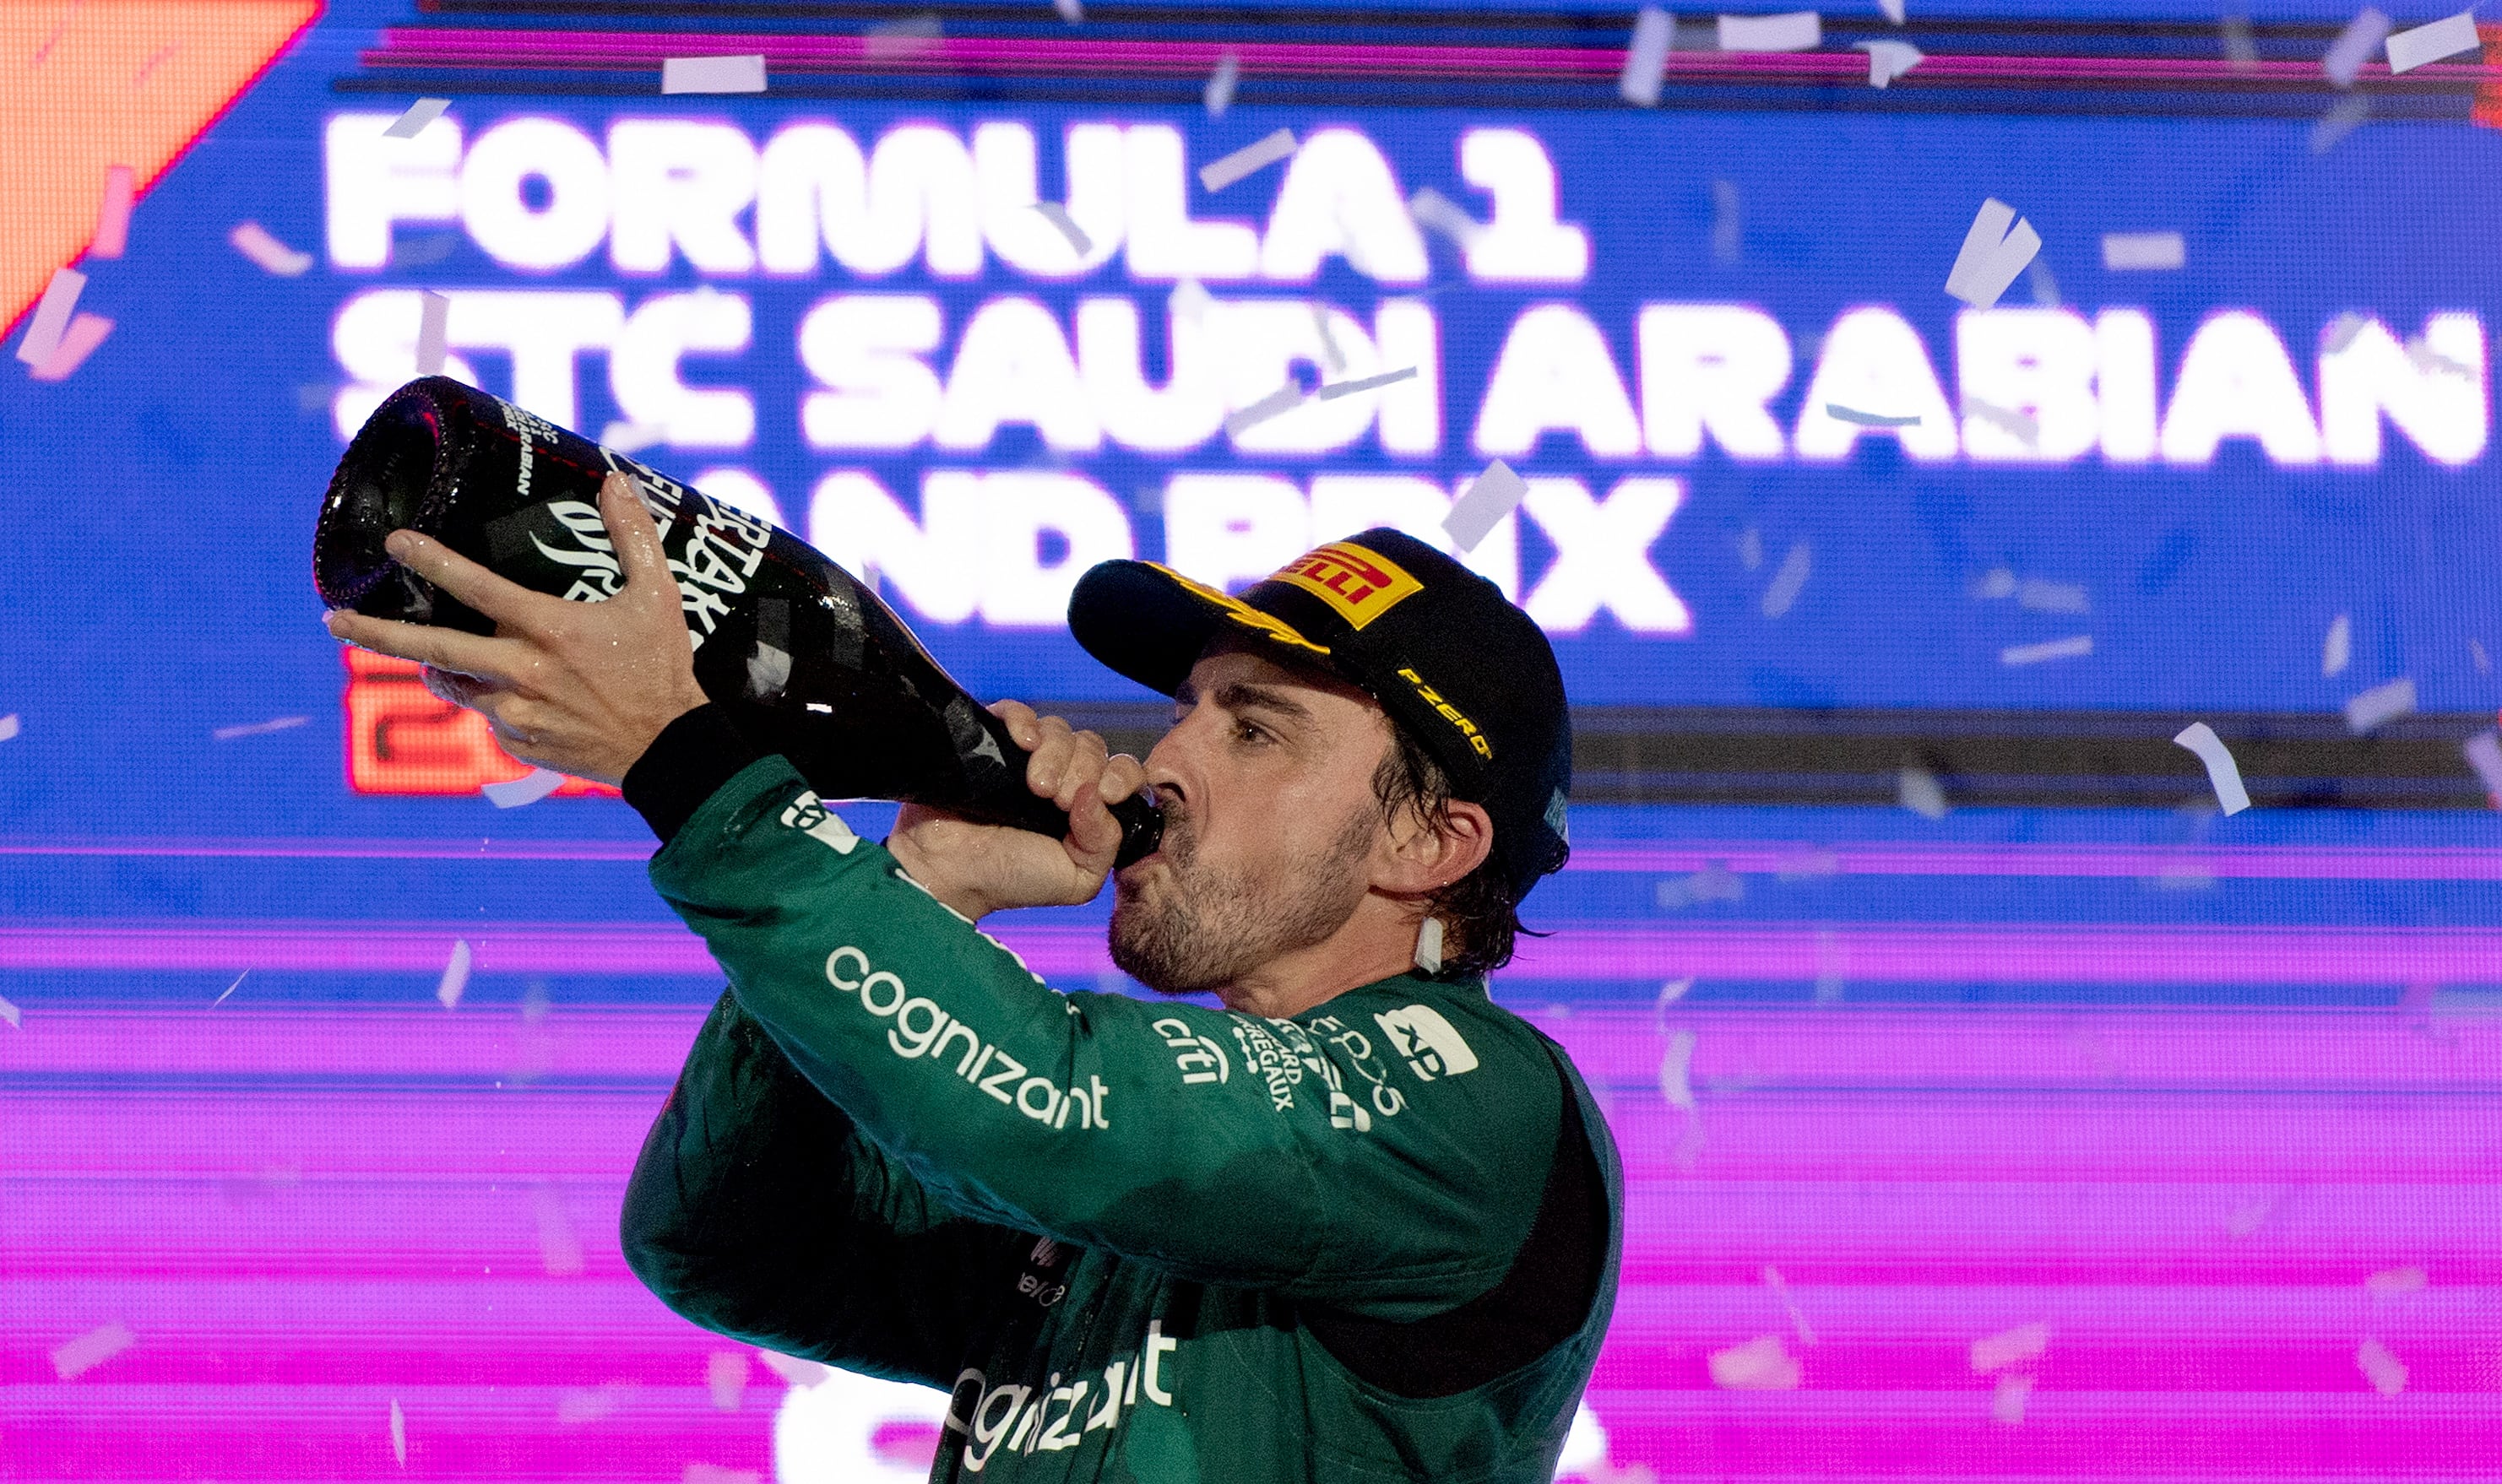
{"x":1147,"y":622}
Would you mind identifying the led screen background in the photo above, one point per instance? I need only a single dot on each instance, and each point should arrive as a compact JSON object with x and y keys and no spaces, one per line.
{"x":2211,"y":1101}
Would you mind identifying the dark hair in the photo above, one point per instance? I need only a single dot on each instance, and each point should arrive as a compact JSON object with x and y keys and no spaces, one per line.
{"x":1478,"y":913}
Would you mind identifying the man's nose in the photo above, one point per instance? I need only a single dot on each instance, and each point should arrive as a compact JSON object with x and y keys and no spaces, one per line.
{"x":1171,"y":771}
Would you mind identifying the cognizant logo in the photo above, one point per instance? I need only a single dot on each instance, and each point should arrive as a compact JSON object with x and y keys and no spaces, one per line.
{"x":920,"y":1029}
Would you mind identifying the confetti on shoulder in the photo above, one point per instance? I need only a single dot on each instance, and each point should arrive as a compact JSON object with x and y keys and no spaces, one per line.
{"x":1333,"y":392}
{"x":423,"y":112}
{"x":1218,"y":174}
{"x":1841,"y":414}
{"x":254,"y":241}
{"x":713,"y":73}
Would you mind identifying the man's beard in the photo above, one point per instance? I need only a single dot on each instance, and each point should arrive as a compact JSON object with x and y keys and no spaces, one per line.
{"x":1211,"y":926}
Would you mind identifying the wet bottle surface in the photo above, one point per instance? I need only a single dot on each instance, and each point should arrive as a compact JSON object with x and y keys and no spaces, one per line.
{"x":808,"y":662}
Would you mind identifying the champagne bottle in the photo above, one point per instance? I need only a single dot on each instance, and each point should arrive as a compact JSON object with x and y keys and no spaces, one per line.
{"x":806,"y":659}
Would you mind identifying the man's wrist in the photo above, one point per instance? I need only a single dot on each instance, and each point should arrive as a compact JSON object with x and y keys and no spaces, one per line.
{"x":921,"y":871}
{"x":686,"y":764}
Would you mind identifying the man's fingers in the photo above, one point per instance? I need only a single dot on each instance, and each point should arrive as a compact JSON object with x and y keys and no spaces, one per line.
{"x":1124,"y":777}
{"x":631,"y":531}
{"x":1024,"y":727}
{"x":1084,"y":768}
{"x":497,"y":598}
{"x":445,"y":648}
{"x":1094,"y":835}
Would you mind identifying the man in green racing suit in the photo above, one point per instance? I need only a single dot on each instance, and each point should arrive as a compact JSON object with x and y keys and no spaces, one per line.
{"x":1357,"y":1223}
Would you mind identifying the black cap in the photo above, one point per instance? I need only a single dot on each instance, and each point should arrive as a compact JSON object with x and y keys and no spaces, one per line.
{"x":1458,"y":670}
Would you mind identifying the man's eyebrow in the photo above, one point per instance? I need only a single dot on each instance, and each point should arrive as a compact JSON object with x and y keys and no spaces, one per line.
{"x":1241,"y":694}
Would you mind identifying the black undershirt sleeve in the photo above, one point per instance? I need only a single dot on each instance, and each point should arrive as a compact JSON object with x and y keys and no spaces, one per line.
{"x":686,"y":764}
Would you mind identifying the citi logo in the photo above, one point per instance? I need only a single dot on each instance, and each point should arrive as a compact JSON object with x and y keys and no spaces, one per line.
{"x":1201,"y":1058}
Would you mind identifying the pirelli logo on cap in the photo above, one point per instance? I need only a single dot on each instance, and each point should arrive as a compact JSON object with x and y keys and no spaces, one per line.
{"x":1359,"y":584}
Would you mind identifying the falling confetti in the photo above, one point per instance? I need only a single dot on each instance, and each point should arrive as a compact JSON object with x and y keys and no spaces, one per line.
{"x":1889,"y":59}
{"x":10,"y":1013}
{"x":2483,"y":753}
{"x":2024,"y":427}
{"x":433,"y":324}
{"x":1792,"y":31}
{"x":2074,"y":647}
{"x":1673,"y":990}
{"x":714,"y":1474}
{"x":1333,"y":392}
{"x":254,"y":241}
{"x":8,"y":726}
{"x":1191,"y":301}
{"x":456,"y":975}
{"x":2144,"y":251}
{"x":906,"y":37}
{"x":2224,"y":774}
{"x":1674,"y":1067}
{"x":423,"y":112}
{"x":1058,"y":216}
{"x":112,"y":213}
{"x":1219,"y":94}
{"x":2338,"y":649}
{"x":633,"y":438}
{"x":560,"y":1249}
{"x":1218,"y":174}
{"x":52,"y":317}
{"x":1438,"y":213}
{"x":398,"y":1434}
{"x":84,"y":335}
{"x":713,"y":73}
{"x":1761,"y":1363}
{"x":1780,"y":1288}
{"x":528,"y":788}
{"x":1483,"y":505}
{"x":2395,"y":1280}
{"x":1071,"y":10}
{"x":259,"y":728}
{"x":92,"y":1349}
{"x":2009,"y":1347}
{"x":726,"y":1373}
{"x":1789,"y":581}
{"x":1919,"y":790}
{"x":2386,"y":1372}
{"x":2449,"y":36}
{"x":1646,"y":58}
{"x":1841,"y":414}
{"x":231,"y":988}
{"x":2044,"y":596}
{"x":581,"y":1404}
{"x":2344,"y":118}
{"x":2342,"y":331}
{"x":2381,"y":704}
{"x":2354,"y":46}
{"x":1283,"y":400}
{"x":2007,"y":1401}
{"x":1996,"y":249}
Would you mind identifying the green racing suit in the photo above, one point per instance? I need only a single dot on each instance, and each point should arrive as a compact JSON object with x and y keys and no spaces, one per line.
{"x":1135,"y":1240}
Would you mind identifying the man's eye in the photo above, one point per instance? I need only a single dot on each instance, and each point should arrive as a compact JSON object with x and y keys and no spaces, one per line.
{"x":1249,"y":731}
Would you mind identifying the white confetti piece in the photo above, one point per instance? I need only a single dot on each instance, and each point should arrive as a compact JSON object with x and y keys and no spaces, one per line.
{"x":2144,"y":251}
{"x":259,"y":728}
{"x":2344,"y":118}
{"x":633,"y":438}
{"x":2425,"y":359}
{"x":1673,"y":990}
{"x":1058,"y":216}
{"x":1892,"y":9}
{"x":423,"y":112}
{"x":112,"y":212}
{"x":92,"y":1349}
{"x":1919,"y":790}
{"x":2024,"y":427}
{"x":1646,"y":58}
{"x":1283,"y":400}
{"x":1789,"y":581}
{"x":1750,"y":549}
{"x":398,"y":1434}
{"x":1995,"y":249}
{"x":1429,"y":945}
{"x":433,"y":327}
{"x":2386,"y":1372}
{"x":528,"y":788}
{"x":2449,"y":36}
{"x":1333,"y":392}
{"x":2483,"y":753}
{"x":2008,"y":1347}
{"x":2046,"y":596}
{"x":2476,"y":652}
{"x":559,"y":1248}
{"x":1438,"y":212}
{"x":2342,"y":331}
{"x":580,"y":1404}
{"x":1791,"y":31}
{"x":906,"y":37}
{"x":1674,"y":1067}
{"x":714,"y":1474}
{"x":1715,"y":882}
{"x":1889,"y":59}
{"x":1331,"y":357}
{"x":2046,"y":287}
{"x":10,"y":1013}
{"x":2007,"y":1401}
{"x":2337,"y":651}
{"x":1852,"y":415}
{"x":768,"y":671}
{"x":1829,"y":967}
{"x":1071,"y":10}
{"x":1191,"y":301}
{"x":1761,"y":1363}
{"x":1218,"y":174}
{"x":1780,"y":1288}
{"x":254,"y":241}
{"x":2074,"y":647}
{"x":2241,"y":51}
{"x":2354,"y":46}
{"x":1728,"y":223}
{"x":456,"y":975}
{"x":713,"y":73}
{"x":2224,"y":774}
{"x":2395,"y":1280}
{"x":1218,"y":95}
{"x":2384,"y":702}
{"x":792,"y":1370}
{"x":52,"y":317}
{"x":8,"y":726}
{"x":1483,"y":505}
{"x":726,"y":1373}
{"x":231,"y":988}
{"x":86,"y":332}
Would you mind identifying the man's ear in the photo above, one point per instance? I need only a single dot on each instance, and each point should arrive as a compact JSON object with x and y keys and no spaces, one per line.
{"x":1422,"y":857}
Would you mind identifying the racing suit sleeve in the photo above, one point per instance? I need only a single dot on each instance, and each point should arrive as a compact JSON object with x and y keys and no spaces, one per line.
{"x":758,"y":1211}
{"x":1225,"y":1148}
